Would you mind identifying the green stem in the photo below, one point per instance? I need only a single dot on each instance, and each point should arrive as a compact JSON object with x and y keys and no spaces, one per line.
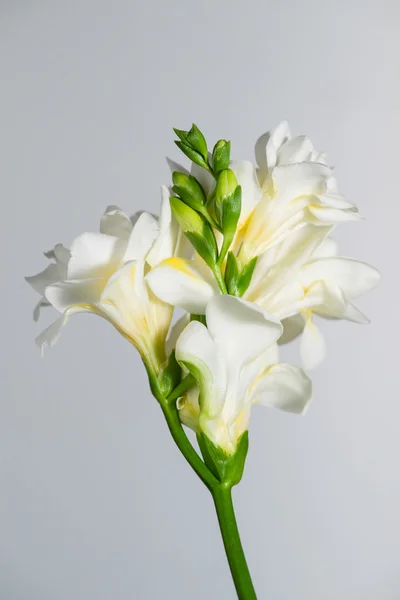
{"x":180,"y":389}
{"x":233,"y":546}
{"x":181,"y":440}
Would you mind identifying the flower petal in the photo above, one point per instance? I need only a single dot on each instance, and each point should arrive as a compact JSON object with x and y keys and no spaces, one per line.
{"x":83,"y":293}
{"x":326,"y":214}
{"x":277,"y":137}
{"x":198,"y":352}
{"x":295,"y":150}
{"x":284,"y":386}
{"x":312,"y":346}
{"x":165,"y":245}
{"x":144,"y":233}
{"x":181,"y":283}
{"x":39,"y":282}
{"x":41,"y":304}
{"x":115,"y":222}
{"x":49,"y":336}
{"x":95,"y":255}
{"x":292,"y":327}
{"x":300,"y":179}
{"x":251,"y":191}
{"x":354,"y":277}
{"x":241,"y":329}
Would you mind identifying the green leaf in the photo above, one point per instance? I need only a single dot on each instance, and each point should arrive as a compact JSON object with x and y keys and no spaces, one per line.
{"x":228,"y":469}
{"x":193,"y":155}
{"x":189,"y":189}
{"x":221,"y":156}
{"x":245,"y":276}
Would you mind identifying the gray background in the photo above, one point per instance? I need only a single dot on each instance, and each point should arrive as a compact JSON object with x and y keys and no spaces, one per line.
{"x":95,"y":501}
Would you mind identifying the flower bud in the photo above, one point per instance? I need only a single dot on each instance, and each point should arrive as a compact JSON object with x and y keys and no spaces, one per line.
{"x":197,"y":230}
{"x":193,"y":144}
{"x":226,"y":185}
{"x":189,"y":189}
{"x":221,"y":156}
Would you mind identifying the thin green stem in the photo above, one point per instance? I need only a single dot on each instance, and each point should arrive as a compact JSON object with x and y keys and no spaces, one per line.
{"x":181,"y":440}
{"x":233,"y":546}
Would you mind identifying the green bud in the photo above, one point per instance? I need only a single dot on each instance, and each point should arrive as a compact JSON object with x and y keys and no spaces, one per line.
{"x":189,"y":189}
{"x":170,"y":375}
{"x":226,"y":185}
{"x":238,"y":280}
{"x":193,"y":139}
{"x":197,"y":230}
{"x":221,"y":156}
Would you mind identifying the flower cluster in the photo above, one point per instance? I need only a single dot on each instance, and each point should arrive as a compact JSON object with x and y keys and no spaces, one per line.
{"x":246,"y":252}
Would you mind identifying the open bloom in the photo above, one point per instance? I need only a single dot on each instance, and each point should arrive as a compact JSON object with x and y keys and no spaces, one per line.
{"x":103,"y":273}
{"x":292,"y":280}
{"x":292,"y":185}
{"x":235,"y":363}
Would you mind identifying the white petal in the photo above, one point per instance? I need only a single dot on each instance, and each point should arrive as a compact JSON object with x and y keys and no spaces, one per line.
{"x":295,"y":150}
{"x":352,"y":313}
{"x":325,"y":214}
{"x":39,"y":282}
{"x":95,"y":255}
{"x":312,"y":346}
{"x":328,"y":247}
{"x":175,"y":332}
{"x":241,"y":329}
{"x":277,"y":137}
{"x":41,"y":304}
{"x":326,"y":299}
{"x":333,"y":200}
{"x":144,"y":232}
{"x":284,"y":386}
{"x":354,"y":277}
{"x":251,"y":191}
{"x":205,"y":179}
{"x":49,"y":336}
{"x":84,"y":293}
{"x":60,"y":254}
{"x":196,"y":349}
{"x":165,"y":244}
{"x":292,"y":327}
{"x":180,"y":282}
{"x":300,"y":179}
{"x":115,"y":222}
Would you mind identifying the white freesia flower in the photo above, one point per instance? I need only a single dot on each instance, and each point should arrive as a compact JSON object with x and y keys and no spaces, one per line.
{"x":292,"y":280}
{"x":235,"y":363}
{"x":293,"y":185}
{"x":104,"y":272}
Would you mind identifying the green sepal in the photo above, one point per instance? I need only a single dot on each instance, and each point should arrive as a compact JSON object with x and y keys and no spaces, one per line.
{"x":189,"y":189}
{"x":193,"y":155}
{"x":228,"y":469}
{"x":221,"y":156}
{"x":170,"y":376}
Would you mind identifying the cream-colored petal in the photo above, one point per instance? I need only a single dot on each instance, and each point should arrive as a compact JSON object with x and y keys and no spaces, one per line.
{"x":251,"y":191}
{"x":116,"y":223}
{"x":352,"y":276}
{"x":284,"y":386}
{"x":145,"y":231}
{"x":241,"y":329}
{"x":180,"y":282}
{"x":82,"y":292}
{"x":312,"y":345}
{"x":95,"y":255}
